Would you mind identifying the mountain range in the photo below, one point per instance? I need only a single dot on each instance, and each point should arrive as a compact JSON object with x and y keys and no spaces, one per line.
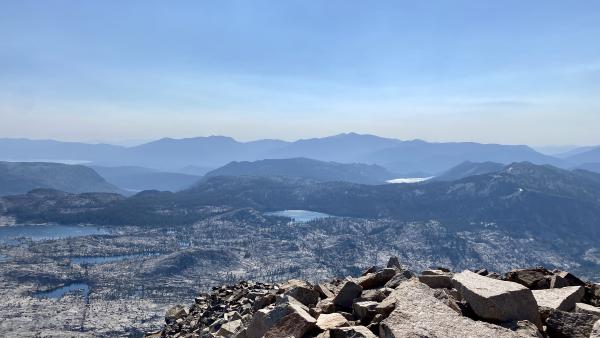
{"x":21,"y":177}
{"x":467,"y":169}
{"x":521,"y":197}
{"x":414,"y":158}
{"x":306,"y":168}
{"x":136,"y":179}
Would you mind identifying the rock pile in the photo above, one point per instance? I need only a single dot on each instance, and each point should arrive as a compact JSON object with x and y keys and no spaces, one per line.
{"x":392,"y":302}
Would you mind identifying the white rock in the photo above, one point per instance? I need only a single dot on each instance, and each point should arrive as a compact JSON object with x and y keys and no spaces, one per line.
{"x":419,"y":314}
{"x":285,"y":320}
{"x":596,"y":330}
{"x":351,"y":332}
{"x":229,"y":328}
{"x":497,"y":300}
{"x":586,"y":308}
{"x":330,"y":320}
{"x":560,"y":298}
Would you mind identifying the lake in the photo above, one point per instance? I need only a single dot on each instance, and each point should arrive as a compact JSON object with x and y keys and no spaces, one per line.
{"x":63,"y":290}
{"x":301,"y":216}
{"x":407,"y":180}
{"x":45,"y":232}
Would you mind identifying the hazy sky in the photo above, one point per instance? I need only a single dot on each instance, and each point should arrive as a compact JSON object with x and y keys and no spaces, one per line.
{"x":490,"y":71}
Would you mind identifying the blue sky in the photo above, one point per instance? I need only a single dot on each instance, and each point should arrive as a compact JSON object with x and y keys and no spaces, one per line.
{"x":507,"y":71}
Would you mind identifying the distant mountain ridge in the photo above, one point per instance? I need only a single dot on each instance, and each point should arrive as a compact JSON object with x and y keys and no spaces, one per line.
{"x":588,"y":156}
{"x":21,"y":177}
{"x":307,"y":168}
{"x":403,"y":157}
{"x":138,"y":178}
{"x":520,"y":198}
{"x":469,"y":168}
{"x":595,"y":167}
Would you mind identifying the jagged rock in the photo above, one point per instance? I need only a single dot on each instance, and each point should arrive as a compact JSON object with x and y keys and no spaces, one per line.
{"x":596,"y":330}
{"x":557,"y":281}
{"x":561,"y":324}
{"x":559,"y":299}
{"x":483,"y":272}
{"x":436,"y":279}
{"x":155,"y":334}
{"x":496,"y":300}
{"x":409,"y":309}
{"x":377,"y":319}
{"x":371,"y":269}
{"x":331,"y":320}
{"x":325,"y":334}
{"x":325,"y":306}
{"x":419,"y":314}
{"x":434,"y":272}
{"x":365,"y":310}
{"x":375,"y":295}
{"x":399,"y":278}
{"x":377,"y":279}
{"x":324,"y":291}
{"x":263,"y":301}
{"x":494,"y":275}
{"x":523,"y":328}
{"x":347,"y":294}
{"x":232,"y":315}
{"x":593,"y":294}
{"x":347,"y":315}
{"x":287,"y":299}
{"x":394,"y":263}
{"x":447,"y":298}
{"x":386,"y":306}
{"x":284,"y":320}
{"x":535,"y":279}
{"x":441,"y":268}
{"x":174,"y":313}
{"x":229,"y":328}
{"x":567,"y":278}
{"x":302,"y":291}
{"x":351,"y":332}
{"x":586,"y":308}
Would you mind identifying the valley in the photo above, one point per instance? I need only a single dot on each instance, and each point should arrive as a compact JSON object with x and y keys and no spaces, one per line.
{"x":120,"y":281}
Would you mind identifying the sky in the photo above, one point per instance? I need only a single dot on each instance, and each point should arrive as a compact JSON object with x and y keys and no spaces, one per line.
{"x":511,"y":71}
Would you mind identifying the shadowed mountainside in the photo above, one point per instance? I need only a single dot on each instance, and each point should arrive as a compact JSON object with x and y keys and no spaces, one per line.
{"x":21,"y":177}
{"x":306,"y":168}
{"x":520,"y":197}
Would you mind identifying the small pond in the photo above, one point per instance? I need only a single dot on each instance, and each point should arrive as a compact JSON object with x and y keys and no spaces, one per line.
{"x":300,"y":216}
{"x":409,"y":180}
{"x":45,"y":232}
{"x":63,"y":290}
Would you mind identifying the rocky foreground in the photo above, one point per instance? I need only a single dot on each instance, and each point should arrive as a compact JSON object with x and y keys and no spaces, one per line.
{"x":393,"y":302}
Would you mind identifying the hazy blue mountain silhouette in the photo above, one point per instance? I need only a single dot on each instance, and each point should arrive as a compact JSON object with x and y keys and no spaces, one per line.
{"x":595,"y":167}
{"x":575,"y":151}
{"x":589,"y":156}
{"x":27,"y":150}
{"x":469,"y":168}
{"x":21,"y":177}
{"x":403,"y":157}
{"x":435,"y":158}
{"x":307,"y":168}
{"x":344,"y":148}
{"x":134,"y":178}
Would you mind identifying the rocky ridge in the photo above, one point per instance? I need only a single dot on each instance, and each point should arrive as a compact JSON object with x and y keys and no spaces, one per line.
{"x":393,"y":302}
